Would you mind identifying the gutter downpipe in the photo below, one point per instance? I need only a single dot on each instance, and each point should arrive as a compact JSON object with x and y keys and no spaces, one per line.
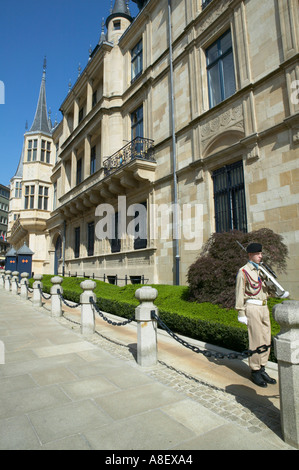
{"x":63,"y":248}
{"x":175,"y":190}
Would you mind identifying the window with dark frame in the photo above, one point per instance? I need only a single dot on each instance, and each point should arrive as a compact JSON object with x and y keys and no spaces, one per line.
{"x":79,"y":171}
{"x":81,"y":114}
{"x":220,"y":69}
{"x":90,"y":239}
{"x":29,"y":197}
{"x":115,"y":242}
{"x":45,"y":151}
{"x":229,"y":198}
{"x":93,"y":160}
{"x":77,"y":242}
{"x":94,"y":98}
{"x":137,"y":123}
{"x":139,"y":242}
{"x":43,"y":197}
{"x":136,"y":61}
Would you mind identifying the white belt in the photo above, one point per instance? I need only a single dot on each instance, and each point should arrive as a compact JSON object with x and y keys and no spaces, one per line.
{"x":256,"y":302}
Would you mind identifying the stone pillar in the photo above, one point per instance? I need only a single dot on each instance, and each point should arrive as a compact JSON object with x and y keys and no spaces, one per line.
{"x":56,"y":307}
{"x":24,"y":284}
{"x":2,"y":278}
{"x":7,"y":280}
{"x":14,"y":282}
{"x":147,"y":350}
{"x":37,"y":285}
{"x":286,"y":345}
{"x":87,"y":312}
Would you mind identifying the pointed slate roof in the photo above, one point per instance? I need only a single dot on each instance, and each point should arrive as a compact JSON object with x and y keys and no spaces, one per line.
{"x":19,"y":172}
{"x":25,"y":250}
{"x":120,"y":9}
{"x":41,"y":123}
{"x":11,"y":252}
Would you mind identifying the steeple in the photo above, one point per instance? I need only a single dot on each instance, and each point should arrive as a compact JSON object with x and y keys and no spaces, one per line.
{"x":120,"y":9}
{"x":41,"y":123}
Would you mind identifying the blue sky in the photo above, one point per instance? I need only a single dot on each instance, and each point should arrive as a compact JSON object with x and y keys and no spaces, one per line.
{"x":61,"y":30}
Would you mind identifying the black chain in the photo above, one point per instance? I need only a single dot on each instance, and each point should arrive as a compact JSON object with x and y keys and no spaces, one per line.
{"x":107,"y":319}
{"x":43,"y":294}
{"x":218,"y":355}
{"x":28,"y":288}
{"x":65,"y":302}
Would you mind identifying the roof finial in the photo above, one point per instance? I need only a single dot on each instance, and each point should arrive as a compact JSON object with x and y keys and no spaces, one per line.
{"x":44,"y":67}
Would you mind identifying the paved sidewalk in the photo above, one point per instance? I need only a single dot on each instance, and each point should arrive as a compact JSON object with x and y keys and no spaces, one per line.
{"x":62,"y":391}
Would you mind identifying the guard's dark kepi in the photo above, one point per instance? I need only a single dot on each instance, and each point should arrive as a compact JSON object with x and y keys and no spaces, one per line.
{"x":254,"y":248}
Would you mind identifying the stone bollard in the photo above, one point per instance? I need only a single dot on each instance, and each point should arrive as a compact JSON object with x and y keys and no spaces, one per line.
{"x":37,"y":296}
{"x":24,"y":284}
{"x":147,"y":350}
{"x":56,"y":306}
{"x":7,"y":280}
{"x":14,"y":282}
{"x":286,"y":345}
{"x":2,"y":278}
{"x":87,"y":312}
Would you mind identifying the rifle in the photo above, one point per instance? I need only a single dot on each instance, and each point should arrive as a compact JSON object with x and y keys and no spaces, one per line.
{"x":270,"y":278}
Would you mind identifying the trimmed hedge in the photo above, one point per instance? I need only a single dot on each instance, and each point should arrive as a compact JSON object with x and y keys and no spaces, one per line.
{"x":202,"y":321}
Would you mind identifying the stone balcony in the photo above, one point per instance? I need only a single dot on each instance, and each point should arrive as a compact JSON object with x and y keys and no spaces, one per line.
{"x":127,"y":169}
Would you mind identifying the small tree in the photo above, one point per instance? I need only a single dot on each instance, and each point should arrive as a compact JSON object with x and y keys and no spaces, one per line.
{"x":212,"y":277}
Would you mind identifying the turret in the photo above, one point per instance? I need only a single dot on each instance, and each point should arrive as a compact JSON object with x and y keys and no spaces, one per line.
{"x":118,"y":20}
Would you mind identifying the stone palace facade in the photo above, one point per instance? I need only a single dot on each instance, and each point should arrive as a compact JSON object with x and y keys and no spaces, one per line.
{"x":185,"y":121}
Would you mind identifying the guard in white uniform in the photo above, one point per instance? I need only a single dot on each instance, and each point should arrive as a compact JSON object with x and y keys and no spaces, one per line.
{"x":251,"y":303}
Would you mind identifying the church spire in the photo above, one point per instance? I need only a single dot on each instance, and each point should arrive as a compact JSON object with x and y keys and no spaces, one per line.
{"x":41,"y":123}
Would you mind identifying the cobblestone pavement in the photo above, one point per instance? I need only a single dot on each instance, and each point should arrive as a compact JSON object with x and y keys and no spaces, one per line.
{"x":235,"y":409}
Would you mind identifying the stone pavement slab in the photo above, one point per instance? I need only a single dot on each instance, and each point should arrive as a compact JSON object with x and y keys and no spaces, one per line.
{"x":59,"y":390}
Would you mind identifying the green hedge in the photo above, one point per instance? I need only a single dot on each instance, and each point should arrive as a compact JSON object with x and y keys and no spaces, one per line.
{"x":202,"y":321}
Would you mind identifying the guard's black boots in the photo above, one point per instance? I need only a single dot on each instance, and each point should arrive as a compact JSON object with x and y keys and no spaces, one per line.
{"x":257,"y":379}
{"x":266,"y":377}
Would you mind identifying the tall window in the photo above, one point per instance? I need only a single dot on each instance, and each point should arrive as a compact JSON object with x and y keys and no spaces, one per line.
{"x":45,"y":151}
{"x":29,"y":197}
{"x":77,"y":242}
{"x":54,"y":195}
{"x":90,"y":238}
{"x":115,"y":242}
{"x":18,"y":190}
{"x":140,"y":220}
{"x":220,"y":68}
{"x":81,"y":114}
{"x":32,"y":150}
{"x":94,"y":98}
{"x":136,"y":61}
{"x":79,"y":171}
{"x":43,"y":196}
{"x":93,"y":160}
{"x":229,"y":198}
{"x":137,"y":123}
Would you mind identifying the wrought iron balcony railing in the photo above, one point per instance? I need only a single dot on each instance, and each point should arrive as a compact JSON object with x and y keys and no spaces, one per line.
{"x":139,"y":148}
